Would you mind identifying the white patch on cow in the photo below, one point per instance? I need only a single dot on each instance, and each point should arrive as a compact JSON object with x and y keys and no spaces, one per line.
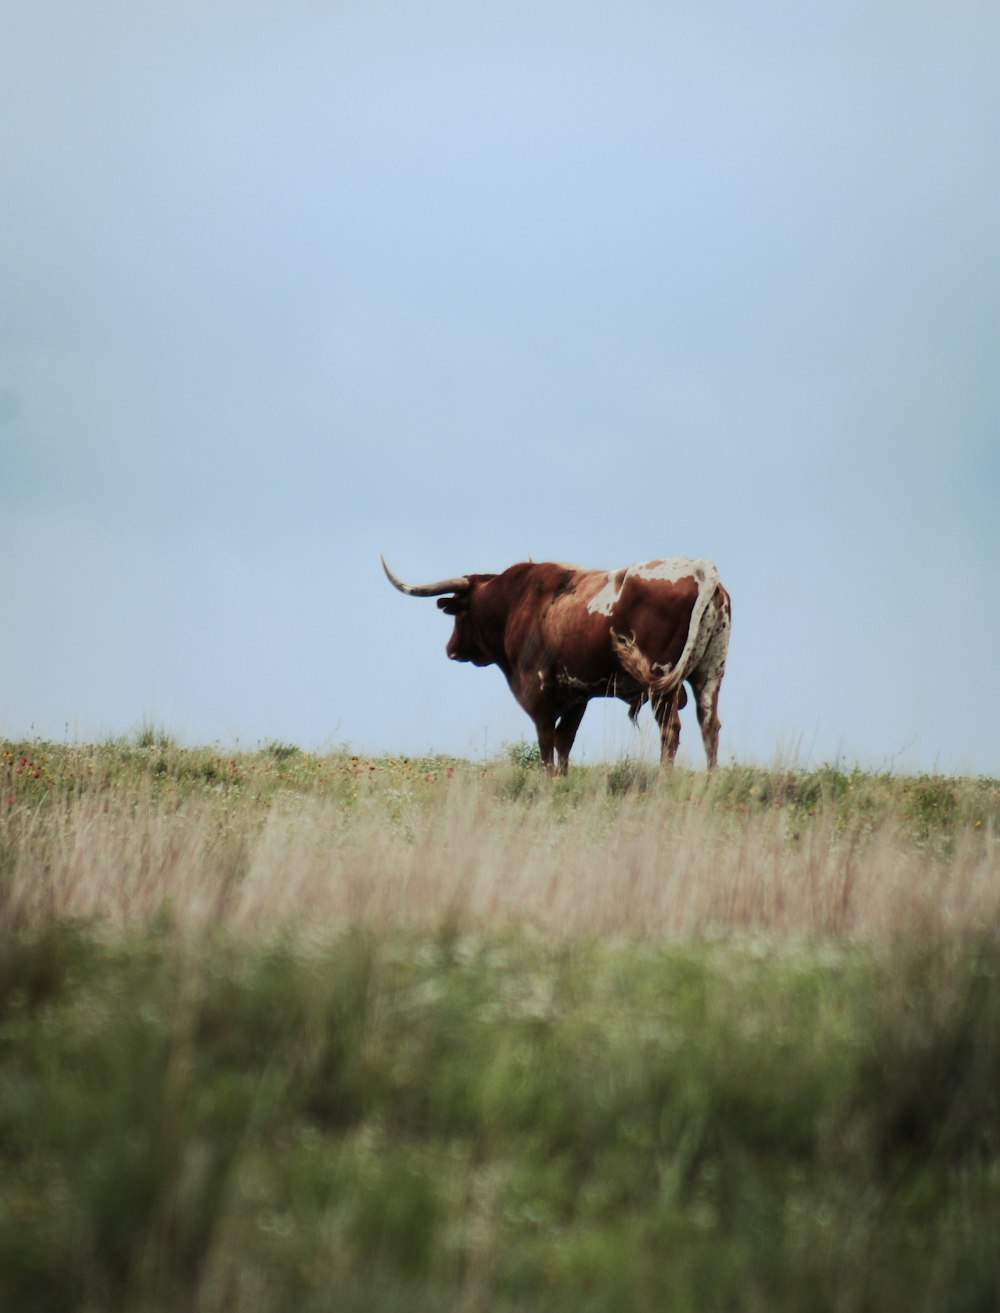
{"x":603,"y":601}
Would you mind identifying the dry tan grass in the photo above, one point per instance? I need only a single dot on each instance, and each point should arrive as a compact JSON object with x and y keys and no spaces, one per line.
{"x":670,"y":862}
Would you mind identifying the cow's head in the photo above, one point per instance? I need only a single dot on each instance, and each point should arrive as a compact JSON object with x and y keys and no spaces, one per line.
{"x":467,"y":641}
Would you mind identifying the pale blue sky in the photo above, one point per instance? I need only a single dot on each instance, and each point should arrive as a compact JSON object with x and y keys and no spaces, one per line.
{"x":286,"y":285}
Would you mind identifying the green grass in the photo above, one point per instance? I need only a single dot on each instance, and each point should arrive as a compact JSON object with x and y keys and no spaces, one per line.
{"x":287,"y":1031}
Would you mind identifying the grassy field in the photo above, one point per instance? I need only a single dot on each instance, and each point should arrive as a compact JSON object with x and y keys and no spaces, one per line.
{"x":281,"y":1031}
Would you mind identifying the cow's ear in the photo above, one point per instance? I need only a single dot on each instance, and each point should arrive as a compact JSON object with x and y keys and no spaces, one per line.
{"x":452,"y":605}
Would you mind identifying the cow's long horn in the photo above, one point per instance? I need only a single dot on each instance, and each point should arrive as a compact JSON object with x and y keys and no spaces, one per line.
{"x":460,"y":584}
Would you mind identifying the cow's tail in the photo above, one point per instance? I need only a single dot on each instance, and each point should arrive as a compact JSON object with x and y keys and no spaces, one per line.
{"x":657,"y":679}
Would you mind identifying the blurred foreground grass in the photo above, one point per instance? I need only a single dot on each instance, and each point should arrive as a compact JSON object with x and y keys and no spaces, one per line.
{"x":282,"y":1031}
{"x":427,"y":1122}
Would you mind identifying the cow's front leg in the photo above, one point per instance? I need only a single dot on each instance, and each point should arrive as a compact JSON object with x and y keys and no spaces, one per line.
{"x":569,"y":723}
{"x":533,"y":691}
{"x":545,"y":727}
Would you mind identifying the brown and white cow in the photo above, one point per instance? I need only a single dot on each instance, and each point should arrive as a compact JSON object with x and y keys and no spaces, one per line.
{"x":563,"y":635}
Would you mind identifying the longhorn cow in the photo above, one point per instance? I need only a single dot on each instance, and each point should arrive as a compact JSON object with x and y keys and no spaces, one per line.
{"x":563,"y":635}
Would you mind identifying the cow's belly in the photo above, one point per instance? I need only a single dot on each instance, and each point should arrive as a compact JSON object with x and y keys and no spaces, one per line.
{"x":607,"y":684}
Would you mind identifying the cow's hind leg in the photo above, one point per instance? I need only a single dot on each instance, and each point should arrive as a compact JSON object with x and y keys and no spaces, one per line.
{"x":706,"y":698}
{"x":667,"y":714}
{"x":706,"y":680}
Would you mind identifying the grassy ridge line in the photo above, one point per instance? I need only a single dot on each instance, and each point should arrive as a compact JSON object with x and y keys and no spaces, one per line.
{"x":32,"y":770}
{"x":422,"y":1122}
